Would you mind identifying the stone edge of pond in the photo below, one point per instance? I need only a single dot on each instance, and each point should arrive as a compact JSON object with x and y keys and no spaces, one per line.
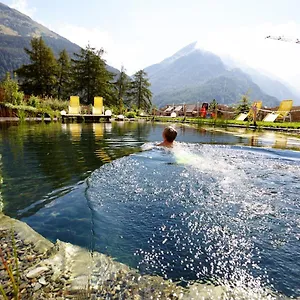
{"x":66,"y":271}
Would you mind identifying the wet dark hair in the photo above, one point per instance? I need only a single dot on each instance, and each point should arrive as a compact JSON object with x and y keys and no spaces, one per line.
{"x":170,"y":134}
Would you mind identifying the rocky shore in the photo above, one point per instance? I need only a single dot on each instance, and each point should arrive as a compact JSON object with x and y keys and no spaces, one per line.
{"x":63,"y":271}
{"x":43,"y":270}
{"x":34,"y":280}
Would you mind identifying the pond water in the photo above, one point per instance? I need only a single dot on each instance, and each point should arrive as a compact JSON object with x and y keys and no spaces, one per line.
{"x":221,"y":207}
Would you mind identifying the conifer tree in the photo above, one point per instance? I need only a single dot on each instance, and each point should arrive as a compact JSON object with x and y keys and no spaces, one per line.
{"x":243,"y":106}
{"x":90,"y":77}
{"x":122,"y":86}
{"x":39,"y":77}
{"x":140,"y":93}
{"x":63,"y":75}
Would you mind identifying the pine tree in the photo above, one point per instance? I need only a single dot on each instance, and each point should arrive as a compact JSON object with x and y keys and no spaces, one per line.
{"x":213,"y":106}
{"x":63,"y":75}
{"x":243,"y":106}
{"x":39,"y":77}
{"x":90,"y":77}
{"x":122,"y":86}
{"x":140,"y":93}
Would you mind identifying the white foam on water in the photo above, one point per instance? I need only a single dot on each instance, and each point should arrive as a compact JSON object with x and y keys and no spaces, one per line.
{"x":219,"y":201}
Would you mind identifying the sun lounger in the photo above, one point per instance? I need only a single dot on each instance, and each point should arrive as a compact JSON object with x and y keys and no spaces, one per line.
{"x":98,"y":106}
{"x":283,"y":112}
{"x":74,"y":107}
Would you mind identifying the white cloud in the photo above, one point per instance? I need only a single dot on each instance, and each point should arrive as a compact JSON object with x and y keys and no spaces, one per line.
{"x":245,"y":44}
{"x":22,"y":6}
{"x":248,"y":45}
{"x":84,"y":36}
{"x":115,"y":53}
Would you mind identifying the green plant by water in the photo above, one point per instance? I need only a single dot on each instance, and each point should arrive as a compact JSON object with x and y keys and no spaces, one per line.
{"x":11,"y":266}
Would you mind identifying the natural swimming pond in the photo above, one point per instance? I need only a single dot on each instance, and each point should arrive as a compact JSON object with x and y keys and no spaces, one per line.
{"x":221,"y":207}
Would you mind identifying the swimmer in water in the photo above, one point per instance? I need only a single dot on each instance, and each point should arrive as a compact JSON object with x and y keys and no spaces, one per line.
{"x":169,"y":135}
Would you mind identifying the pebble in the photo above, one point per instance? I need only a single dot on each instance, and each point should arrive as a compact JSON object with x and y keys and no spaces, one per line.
{"x":42,"y":281}
{"x":36,"y":287}
{"x":36,"y":272}
{"x":37,"y":283}
{"x":30,"y":257}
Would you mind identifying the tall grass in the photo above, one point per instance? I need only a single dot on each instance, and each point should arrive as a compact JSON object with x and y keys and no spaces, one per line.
{"x":8,"y":266}
{"x":21,"y":114}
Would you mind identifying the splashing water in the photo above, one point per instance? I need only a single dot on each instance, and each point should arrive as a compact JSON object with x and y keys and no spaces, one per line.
{"x":207,"y":214}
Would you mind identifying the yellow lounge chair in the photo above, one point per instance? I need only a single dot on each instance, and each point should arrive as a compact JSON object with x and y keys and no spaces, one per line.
{"x":74,"y":107}
{"x":98,"y":106}
{"x":282,"y":112}
{"x":244,"y":116}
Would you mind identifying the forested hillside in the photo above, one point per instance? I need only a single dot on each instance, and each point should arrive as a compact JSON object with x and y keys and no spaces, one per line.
{"x":226,"y":89}
{"x":16,"y":32}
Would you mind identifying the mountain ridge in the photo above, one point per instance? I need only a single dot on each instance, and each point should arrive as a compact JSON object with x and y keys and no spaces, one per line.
{"x":269,"y":83}
{"x":192,"y":75}
{"x":16,"y":32}
{"x":185,"y":68}
{"x":215,"y":87}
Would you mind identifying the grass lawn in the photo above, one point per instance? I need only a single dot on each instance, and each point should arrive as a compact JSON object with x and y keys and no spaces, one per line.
{"x":220,"y":122}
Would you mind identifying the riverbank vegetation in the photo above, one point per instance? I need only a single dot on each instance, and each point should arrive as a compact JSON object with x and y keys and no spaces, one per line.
{"x":43,"y":86}
{"x":224,"y":123}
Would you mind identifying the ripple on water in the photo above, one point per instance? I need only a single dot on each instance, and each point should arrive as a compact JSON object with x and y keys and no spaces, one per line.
{"x":204,"y":213}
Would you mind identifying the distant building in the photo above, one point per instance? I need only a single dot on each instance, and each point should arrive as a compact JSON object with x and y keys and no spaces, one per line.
{"x":168,"y":110}
{"x":178,"y":109}
{"x":191,"y":110}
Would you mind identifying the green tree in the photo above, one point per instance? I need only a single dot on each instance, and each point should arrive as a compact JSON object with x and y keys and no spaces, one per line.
{"x":39,"y":77}
{"x":11,"y":90}
{"x":213,"y":106}
{"x":122,"y":86}
{"x":63,"y":75}
{"x":140,"y":93}
{"x":90,"y":77}
{"x":243,"y":105}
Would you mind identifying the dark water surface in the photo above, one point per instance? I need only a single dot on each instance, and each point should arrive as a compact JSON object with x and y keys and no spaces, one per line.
{"x":221,"y":207}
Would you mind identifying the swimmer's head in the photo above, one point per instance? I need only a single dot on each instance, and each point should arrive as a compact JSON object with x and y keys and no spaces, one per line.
{"x":169,"y":134}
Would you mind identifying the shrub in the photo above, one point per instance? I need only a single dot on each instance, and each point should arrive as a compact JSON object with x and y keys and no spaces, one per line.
{"x":115,"y":109}
{"x":53,"y":104}
{"x":18,"y":97}
{"x":11,"y":90}
{"x":130,"y":114}
{"x":33,"y":101}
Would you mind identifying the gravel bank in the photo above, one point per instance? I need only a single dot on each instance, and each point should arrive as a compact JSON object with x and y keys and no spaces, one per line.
{"x":65,"y":271}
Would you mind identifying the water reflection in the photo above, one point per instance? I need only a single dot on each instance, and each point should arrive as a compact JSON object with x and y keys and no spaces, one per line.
{"x":39,"y":159}
{"x":259,"y":138}
{"x":98,"y":129}
{"x":75,"y":131}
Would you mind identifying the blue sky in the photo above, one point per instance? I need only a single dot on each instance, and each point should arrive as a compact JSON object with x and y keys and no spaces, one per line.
{"x":140,"y":33}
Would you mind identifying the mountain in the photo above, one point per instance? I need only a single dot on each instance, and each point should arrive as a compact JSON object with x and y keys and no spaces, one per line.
{"x":186,"y":68}
{"x":226,"y":89}
{"x":268,"y":83}
{"x":193,"y":75}
{"x":16,"y":32}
